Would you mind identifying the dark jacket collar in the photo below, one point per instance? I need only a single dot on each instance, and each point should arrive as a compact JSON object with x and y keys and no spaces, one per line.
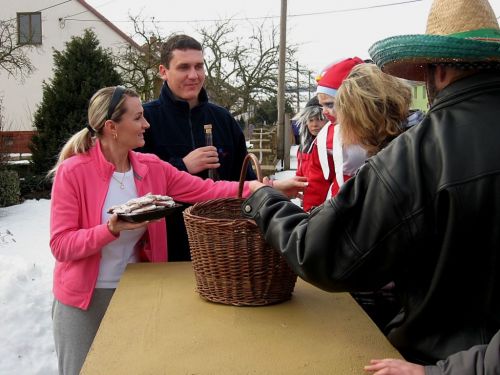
{"x":167,"y":97}
{"x":482,"y":81}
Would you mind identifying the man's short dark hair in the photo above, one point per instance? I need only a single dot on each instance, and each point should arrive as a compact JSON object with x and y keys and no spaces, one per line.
{"x":180,"y":41}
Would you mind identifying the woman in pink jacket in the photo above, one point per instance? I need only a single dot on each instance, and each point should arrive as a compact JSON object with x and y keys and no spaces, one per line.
{"x":96,"y":170}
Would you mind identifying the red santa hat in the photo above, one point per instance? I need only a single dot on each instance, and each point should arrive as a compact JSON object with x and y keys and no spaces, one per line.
{"x":332,"y":76}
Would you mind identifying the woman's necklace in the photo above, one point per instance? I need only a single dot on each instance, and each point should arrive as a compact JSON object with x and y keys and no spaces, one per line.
{"x":122,"y":186}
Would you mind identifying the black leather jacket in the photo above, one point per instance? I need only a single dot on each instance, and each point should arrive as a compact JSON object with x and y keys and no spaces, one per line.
{"x":424,"y":212}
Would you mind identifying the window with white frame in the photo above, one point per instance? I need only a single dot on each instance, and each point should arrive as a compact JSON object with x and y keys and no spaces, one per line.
{"x":29,"y":28}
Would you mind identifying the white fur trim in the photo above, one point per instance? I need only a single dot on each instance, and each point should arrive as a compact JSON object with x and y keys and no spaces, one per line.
{"x":338,"y":155}
{"x":326,"y":90}
{"x":322,"y":150}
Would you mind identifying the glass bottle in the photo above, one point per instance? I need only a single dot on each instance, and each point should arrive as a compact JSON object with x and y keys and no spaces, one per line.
{"x":212,"y":173}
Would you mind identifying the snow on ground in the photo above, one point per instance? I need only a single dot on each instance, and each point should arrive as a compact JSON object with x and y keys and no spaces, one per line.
{"x":26,"y":265}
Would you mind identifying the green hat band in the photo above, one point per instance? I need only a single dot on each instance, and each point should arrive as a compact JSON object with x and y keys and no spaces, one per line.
{"x":429,"y":47}
{"x":487,"y":34}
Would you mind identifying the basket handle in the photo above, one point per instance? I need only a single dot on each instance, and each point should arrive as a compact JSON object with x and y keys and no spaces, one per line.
{"x":244,"y":168}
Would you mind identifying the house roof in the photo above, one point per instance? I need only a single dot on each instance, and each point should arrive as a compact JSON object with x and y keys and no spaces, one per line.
{"x":110,"y":24}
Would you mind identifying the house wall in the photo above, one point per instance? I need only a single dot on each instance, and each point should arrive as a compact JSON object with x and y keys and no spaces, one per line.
{"x":419,"y":101}
{"x":15,"y":142}
{"x":20,"y":98}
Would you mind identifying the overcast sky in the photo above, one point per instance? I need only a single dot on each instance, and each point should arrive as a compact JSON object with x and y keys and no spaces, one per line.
{"x":324,"y":30}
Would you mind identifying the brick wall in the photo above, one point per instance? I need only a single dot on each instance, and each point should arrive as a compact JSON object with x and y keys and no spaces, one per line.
{"x":15,"y":142}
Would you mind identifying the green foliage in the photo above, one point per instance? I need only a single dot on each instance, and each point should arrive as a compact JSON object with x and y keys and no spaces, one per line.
{"x":9,"y":188}
{"x":35,"y":187}
{"x":31,"y":186}
{"x":267,"y":111}
{"x":79,"y":71}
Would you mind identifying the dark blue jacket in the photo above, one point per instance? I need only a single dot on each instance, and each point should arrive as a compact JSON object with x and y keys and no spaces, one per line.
{"x":176,"y":131}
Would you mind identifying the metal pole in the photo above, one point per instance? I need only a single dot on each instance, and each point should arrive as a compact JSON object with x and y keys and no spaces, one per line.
{"x":287,"y":142}
{"x":298,"y":88}
{"x":281,"y":134}
{"x":309,"y":73}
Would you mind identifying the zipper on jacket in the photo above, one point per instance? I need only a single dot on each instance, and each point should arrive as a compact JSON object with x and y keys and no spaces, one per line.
{"x":191,"y":130}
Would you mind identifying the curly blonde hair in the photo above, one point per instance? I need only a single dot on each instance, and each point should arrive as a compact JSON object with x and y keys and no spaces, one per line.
{"x":371,"y":106}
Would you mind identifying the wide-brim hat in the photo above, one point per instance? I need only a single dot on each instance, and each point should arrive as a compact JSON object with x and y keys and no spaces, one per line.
{"x":457,"y":31}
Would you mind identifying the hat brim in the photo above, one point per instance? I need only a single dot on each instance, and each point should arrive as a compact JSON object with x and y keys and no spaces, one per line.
{"x":405,"y":56}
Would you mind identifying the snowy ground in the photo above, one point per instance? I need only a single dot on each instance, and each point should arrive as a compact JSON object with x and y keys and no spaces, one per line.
{"x":26,"y":266}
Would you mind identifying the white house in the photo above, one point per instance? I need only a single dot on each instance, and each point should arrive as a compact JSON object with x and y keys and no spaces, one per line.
{"x":51,"y":23}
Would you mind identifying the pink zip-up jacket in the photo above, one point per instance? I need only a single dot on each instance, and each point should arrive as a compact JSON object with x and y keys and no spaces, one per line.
{"x":77,"y":234}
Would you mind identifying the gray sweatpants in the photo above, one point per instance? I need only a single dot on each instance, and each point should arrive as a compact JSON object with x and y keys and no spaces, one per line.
{"x":75,"y":329}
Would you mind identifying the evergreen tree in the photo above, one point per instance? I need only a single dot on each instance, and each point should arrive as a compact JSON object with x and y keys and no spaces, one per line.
{"x":79,"y":71}
{"x":267,"y":111}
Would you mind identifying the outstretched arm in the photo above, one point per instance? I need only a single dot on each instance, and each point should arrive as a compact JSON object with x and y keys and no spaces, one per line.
{"x":478,"y":360}
{"x":290,"y":187}
{"x":391,"y":366}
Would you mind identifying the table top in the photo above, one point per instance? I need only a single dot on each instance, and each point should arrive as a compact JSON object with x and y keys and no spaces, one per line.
{"x":158,"y":324}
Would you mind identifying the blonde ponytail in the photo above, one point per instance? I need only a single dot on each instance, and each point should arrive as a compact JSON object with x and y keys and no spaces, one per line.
{"x":78,"y":144}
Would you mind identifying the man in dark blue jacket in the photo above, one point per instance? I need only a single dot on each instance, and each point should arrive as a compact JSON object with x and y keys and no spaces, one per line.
{"x":177,"y":134}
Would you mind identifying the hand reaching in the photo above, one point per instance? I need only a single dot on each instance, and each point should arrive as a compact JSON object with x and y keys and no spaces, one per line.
{"x":255,"y":185}
{"x":201,"y":159}
{"x":394,"y":367}
{"x":291,"y":187}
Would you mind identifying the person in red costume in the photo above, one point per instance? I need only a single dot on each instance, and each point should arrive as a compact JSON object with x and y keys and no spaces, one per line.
{"x":331,"y":164}
{"x":310,"y":120}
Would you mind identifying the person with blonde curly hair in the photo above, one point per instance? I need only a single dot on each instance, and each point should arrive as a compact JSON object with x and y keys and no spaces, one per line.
{"x":373,"y":108}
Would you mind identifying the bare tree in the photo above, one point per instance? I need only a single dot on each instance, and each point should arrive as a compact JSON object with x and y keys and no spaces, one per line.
{"x":13,"y":58}
{"x":243,"y":71}
{"x":139,"y":68}
{"x":15,"y":62}
{"x":220,"y":68}
{"x":3,"y":154}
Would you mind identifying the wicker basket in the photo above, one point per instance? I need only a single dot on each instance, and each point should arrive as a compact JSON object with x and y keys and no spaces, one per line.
{"x":232,"y":263}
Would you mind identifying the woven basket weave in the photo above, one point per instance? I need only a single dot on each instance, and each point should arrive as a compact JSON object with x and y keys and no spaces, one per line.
{"x":232,"y":263}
